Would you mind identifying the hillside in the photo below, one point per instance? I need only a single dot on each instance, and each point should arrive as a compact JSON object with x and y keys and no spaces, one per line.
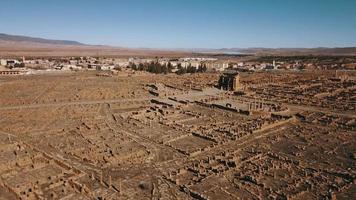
{"x":294,"y":51}
{"x":14,"y":45}
{"x":19,"y":38}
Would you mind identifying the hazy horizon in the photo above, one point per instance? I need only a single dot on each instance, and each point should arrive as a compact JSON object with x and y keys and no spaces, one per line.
{"x":184,"y":24}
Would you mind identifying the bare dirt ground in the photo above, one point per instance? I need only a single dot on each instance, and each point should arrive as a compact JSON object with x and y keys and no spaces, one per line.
{"x":82,"y":136}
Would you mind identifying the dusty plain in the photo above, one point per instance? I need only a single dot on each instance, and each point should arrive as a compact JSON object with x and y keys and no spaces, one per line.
{"x":144,"y":136}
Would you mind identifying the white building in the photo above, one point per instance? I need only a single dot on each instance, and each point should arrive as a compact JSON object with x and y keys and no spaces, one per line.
{"x":107,"y":67}
{"x":174,"y":63}
{"x":218,"y":66}
{"x":3,"y":62}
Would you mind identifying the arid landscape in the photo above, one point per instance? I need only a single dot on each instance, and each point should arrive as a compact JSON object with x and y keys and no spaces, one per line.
{"x":14,"y":46}
{"x":143,"y":136}
{"x":178,"y":100}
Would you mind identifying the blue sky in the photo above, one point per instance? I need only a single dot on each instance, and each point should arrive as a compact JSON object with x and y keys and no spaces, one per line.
{"x":185,"y":23}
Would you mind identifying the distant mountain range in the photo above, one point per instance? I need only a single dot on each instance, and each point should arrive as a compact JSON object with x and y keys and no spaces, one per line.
{"x":16,"y":45}
{"x":294,"y":51}
{"x":19,"y":38}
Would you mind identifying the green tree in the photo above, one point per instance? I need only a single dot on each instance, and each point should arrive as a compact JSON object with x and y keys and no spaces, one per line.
{"x":133,"y":66}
